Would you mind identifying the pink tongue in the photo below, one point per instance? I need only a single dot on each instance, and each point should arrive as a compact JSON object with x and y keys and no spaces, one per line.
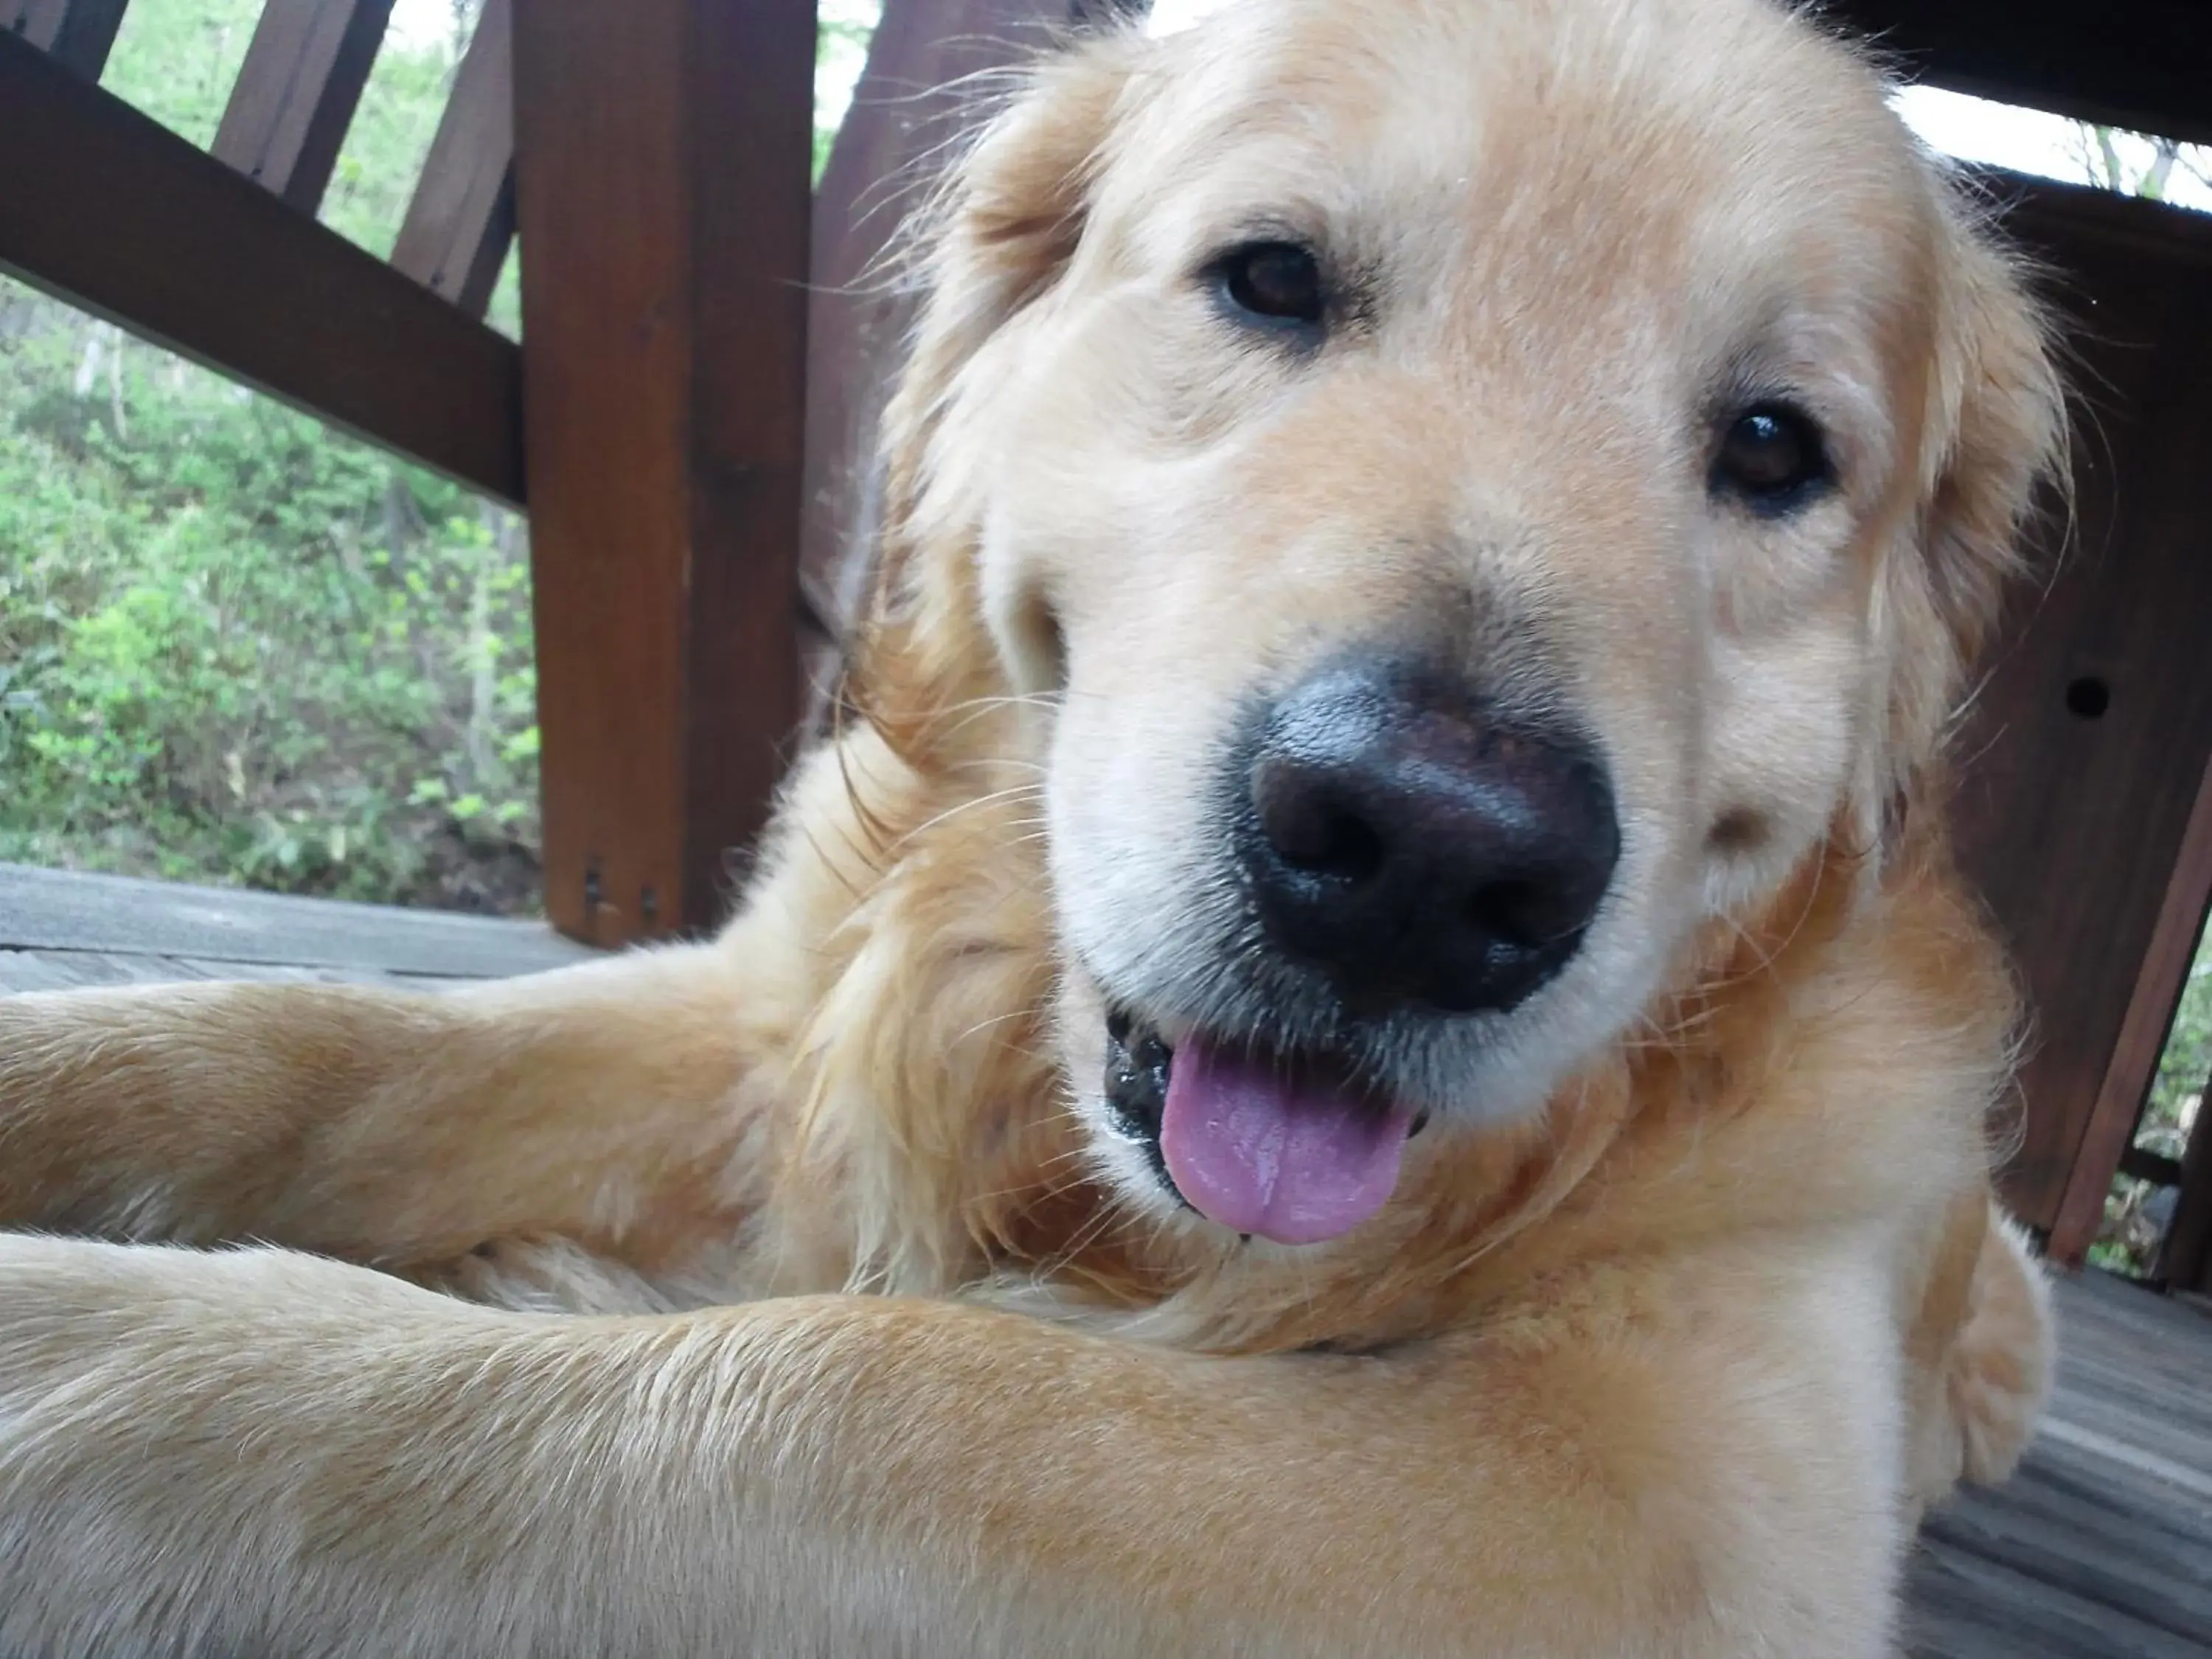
{"x":1297,"y":1159}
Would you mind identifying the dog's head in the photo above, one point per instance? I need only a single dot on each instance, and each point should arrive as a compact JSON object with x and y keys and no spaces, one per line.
{"x":1467,"y":495}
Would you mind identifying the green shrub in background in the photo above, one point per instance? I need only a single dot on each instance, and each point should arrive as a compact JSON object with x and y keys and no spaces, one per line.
{"x":234,"y":648}
{"x":2136,"y":1214}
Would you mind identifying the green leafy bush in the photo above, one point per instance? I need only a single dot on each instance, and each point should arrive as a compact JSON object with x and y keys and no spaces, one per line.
{"x":2136,"y":1214}
{"x":237,"y":648}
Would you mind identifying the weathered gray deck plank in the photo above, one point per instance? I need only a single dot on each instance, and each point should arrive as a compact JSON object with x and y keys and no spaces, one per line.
{"x":64,"y":970}
{"x":60,"y":910}
{"x":33,"y":970}
{"x":1963,"y":1607}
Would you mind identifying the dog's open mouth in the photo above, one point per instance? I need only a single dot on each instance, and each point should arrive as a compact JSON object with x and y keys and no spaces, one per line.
{"x":1290,"y":1147}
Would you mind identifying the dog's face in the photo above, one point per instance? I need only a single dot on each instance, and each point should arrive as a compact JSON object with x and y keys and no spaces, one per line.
{"x":1475,"y":491}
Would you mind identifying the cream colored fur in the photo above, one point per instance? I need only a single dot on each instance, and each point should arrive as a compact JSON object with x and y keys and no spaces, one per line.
{"x":787,"y":1294}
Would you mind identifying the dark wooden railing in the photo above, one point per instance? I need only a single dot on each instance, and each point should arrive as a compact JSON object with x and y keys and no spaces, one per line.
{"x":461,"y":222}
{"x":110,"y":210}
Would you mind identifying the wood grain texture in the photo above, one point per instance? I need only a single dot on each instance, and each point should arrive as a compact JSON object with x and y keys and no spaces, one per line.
{"x":2087,"y":744}
{"x":56,"y":910}
{"x":2134,"y":64}
{"x":296,"y":92}
{"x":663,"y":156}
{"x":77,"y":34}
{"x":460,"y":220}
{"x":108,"y":209}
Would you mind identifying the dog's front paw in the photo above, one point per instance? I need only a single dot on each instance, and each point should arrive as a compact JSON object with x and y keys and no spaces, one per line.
{"x":2001,"y":1368}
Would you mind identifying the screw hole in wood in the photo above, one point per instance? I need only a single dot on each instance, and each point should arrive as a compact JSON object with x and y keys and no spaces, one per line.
{"x":2088,"y":697}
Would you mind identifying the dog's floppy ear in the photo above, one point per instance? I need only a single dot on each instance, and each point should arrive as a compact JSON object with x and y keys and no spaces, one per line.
{"x":1993,"y":432}
{"x":1011,"y":211}
{"x":1003,"y":228}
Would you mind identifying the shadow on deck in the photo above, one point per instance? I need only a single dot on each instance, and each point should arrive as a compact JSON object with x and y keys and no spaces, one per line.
{"x":2099,"y":1548}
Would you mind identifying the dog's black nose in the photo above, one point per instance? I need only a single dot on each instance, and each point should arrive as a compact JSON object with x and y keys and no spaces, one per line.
{"x":1417,"y":853}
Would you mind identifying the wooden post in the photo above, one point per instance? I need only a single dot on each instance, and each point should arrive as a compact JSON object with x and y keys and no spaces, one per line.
{"x":77,"y":34}
{"x":461,"y":221}
{"x":296,"y":92}
{"x":663,"y":150}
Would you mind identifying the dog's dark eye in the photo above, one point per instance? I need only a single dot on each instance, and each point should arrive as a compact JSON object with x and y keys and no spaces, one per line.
{"x":1773,"y":457}
{"x":1275,"y":282}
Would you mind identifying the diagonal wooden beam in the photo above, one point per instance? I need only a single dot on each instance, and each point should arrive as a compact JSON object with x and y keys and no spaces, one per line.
{"x":113,"y":212}
{"x":78,"y":34}
{"x":461,"y":221}
{"x":296,"y":94}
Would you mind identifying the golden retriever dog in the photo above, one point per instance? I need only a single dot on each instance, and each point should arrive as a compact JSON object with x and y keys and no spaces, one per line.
{"x":1363,"y":1043}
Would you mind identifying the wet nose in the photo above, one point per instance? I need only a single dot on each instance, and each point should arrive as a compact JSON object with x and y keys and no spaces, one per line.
{"x":1417,"y":851}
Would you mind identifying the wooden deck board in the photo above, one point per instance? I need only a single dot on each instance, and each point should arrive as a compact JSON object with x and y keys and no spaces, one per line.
{"x":1963,"y":1607}
{"x":66,"y":970}
{"x":2099,"y":1548}
{"x":74,"y":915}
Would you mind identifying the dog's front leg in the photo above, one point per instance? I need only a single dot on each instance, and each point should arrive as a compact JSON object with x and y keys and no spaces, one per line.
{"x":255,"y":1452}
{"x":595,"y":1103}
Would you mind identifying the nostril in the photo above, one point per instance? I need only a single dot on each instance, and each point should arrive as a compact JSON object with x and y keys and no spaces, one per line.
{"x":1531,"y":914}
{"x":1508,"y":911}
{"x":1312,"y":829}
{"x":1338,"y":844}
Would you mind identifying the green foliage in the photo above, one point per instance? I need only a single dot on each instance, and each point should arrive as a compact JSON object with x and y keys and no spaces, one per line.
{"x":2185,"y":1066}
{"x":237,"y":648}
{"x":841,"y":48}
{"x":178,"y":59}
{"x":2135,"y":1212}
